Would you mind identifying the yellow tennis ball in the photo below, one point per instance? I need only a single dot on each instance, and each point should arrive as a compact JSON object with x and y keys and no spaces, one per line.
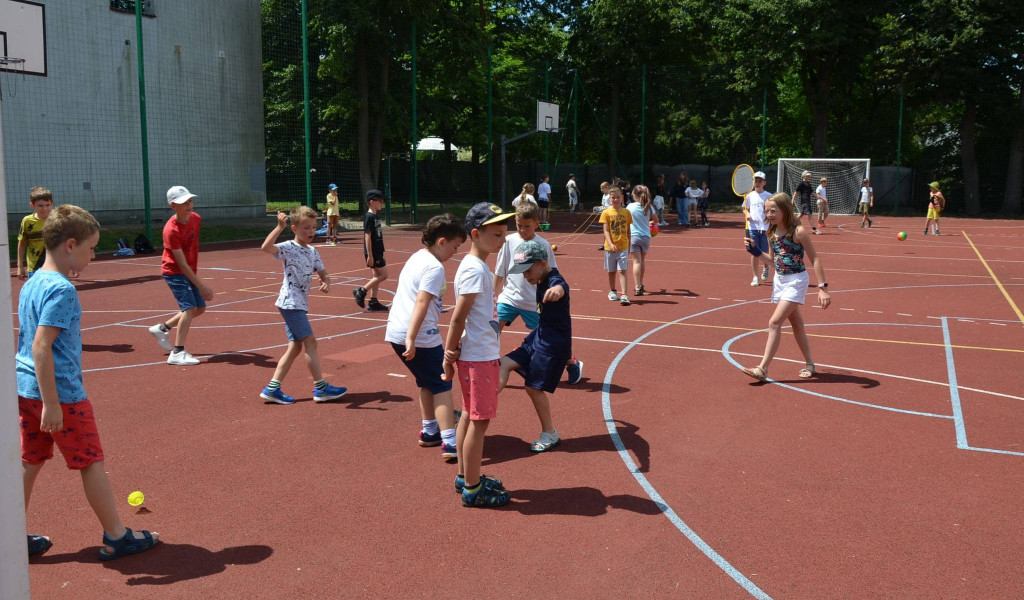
{"x":554,"y":247}
{"x":136,"y":498}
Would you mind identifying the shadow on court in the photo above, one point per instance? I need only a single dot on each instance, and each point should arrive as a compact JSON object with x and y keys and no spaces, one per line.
{"x":244,"y":359}
{"x":99,"y":285}
{"x":361,"y":401}
{"x":167,"y":563}
{"x":828,"y":377}
{"x":505,"y":448}
{"x":578,"y":501}
{"x":115,"y":348}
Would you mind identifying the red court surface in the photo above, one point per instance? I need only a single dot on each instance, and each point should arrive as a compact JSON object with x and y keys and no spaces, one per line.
{"x":895,"y":473}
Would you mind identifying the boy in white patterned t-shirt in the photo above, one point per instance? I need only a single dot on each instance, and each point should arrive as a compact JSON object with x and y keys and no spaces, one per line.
{"x":301,"y":261}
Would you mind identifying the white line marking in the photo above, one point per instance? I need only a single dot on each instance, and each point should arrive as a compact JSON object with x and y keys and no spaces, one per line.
{"x":877,"y":312}
{"x":904,"y":315}
{"x":844,"y":308}
{"x":396,"y":375}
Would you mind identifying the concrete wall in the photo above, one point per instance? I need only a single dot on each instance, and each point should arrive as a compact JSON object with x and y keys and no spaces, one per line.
{"x":77,"y":130}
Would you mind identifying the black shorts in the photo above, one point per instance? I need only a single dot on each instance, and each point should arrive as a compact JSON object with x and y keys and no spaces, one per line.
{"x":542,"y":371}
{"x":378,"y":261}
{"x":543,"y":203}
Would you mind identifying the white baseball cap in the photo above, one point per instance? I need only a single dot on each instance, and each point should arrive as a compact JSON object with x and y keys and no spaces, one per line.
{"x":179,"y":194}
{"x":760,"y":175}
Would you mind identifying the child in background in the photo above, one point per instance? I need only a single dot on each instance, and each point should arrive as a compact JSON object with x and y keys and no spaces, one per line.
{"x":789,"y":243}
{"x":867,"y":200}
{"x":517,"y":297}
{"x":693,"y":195}
{"x":413,"y":329}
{"x":52,"y":404}
{"x":702,"y":204}
{"x":679,"y":193}
{"x":333,"y":214}
{"x":31,"y":250}
{"x":472,"y":341}
{"x":936,"y":203}
{"x":573,"y":192}
{"x":606,"y":200}
{"x":615,"y":221}
{"x":757,"y":224}
{"x":659,"y":199}
{"x":179,"y":268}
{"x":802,"y":197}
{"x":640,"y":235}
{"x":301,"y":261}
{"x":544,"y":198}
{"x":373,"y":252}
{"x":542,"y":356}
{"x":822,"y":195}
{"x":525,"y":196}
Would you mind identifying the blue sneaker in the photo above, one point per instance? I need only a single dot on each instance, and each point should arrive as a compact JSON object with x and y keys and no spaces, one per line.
{"x":491,"y":482}
{"x":448,"y":452}
{"x":276,"y":396}
{"x":575,"y":371}
{"x":329,"y":393}
{"x":430,"y":439}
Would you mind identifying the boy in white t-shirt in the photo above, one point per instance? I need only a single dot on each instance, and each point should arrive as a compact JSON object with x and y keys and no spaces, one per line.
{"x":301,"y":261}
{"x":822,"y":195}
{"x":472,"y":342}
{"x":544,"y":198}
{"x":413,"y":329}
{"x":757,"y":226}
{"x":573,"y":192}
{"x":867,"y":200}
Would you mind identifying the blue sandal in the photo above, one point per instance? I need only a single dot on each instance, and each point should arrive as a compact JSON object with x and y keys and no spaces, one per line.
{"x":127,"y":544}
{"x":37,"y":544}
{"x":485,"y":497}
{"x":492,"y":483}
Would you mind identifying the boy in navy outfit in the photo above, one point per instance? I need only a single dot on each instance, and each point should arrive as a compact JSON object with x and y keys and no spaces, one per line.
{"x":542,"y":356}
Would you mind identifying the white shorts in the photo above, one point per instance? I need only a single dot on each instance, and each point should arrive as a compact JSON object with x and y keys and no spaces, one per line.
{"x":615,"y":261}
{"x":659,"y":202}
{"x":641,"y":244}
{"x":791,"y":288}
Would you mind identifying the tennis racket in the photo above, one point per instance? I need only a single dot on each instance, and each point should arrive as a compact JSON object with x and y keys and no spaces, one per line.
{"x":742,"y":180}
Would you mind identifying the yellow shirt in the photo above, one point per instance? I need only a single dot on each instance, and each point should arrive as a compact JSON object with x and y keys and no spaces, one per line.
{"x":618,"y":227}
{"x":32,"y":230}
{"x":332,"y":207}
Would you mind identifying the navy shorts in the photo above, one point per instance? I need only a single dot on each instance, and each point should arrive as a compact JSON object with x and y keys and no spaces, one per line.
{"x":542,"y":371}
{"x":296,"y":323}
{"x":760,"y":245}
{"x":426,"y":367}
{"x":185,"y":292}
{"x":378,"y":261}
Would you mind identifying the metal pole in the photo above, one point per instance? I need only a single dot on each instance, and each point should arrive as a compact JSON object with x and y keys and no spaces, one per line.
{"x":547,"y":138}
{"x":502,"y":184}
{"x":575,"y":126}
{"x":490,"y":128}
{"x":142,"y":119}
{"x":387,"y":193}
{"x":764,"y":128}
{"x":643,"y":119}
{"x":899,"y":154}
{"x":305,"y":104}
{"x":415,"y":192}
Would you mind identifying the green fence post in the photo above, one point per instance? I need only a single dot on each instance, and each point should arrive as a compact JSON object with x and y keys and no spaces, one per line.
{"x":387,"y":192}
{"x":142,"y":119}
{"x":643,"y":120}
{"x":575,"y":126}
{"x":305,"y":104}
{"x":490,"y":130}
{"x":764,"y":128}
{"x":415,"y":192}
{"x":899,"y":154}
{"x":547,"y":98}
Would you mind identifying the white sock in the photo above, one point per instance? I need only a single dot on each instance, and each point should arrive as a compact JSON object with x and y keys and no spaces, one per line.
{"x":448,"y":437}
{"x":430,"y":427}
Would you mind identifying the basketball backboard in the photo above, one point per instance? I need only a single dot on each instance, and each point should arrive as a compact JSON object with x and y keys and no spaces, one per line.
{"x":23,"y":35}
{"x":547,"y":117}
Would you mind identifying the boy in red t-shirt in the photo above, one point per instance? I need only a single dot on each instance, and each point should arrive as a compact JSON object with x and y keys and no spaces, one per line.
{"x":179,"y":265}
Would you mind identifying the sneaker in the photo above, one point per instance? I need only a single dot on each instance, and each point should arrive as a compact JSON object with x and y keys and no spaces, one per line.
{"x":545,"y":442}
{"x":428,"y":440}
{"x":613,"y":296}
{"x":329,"y":393}
{"x":276,"y":396}
{"x":863,"y":225}
{"x":925,"y":232}
{"x":624,"y":300}
{"x":815,"y":230}
{"x":937,"y":231}
{"x":575,"y":371}
{"x":448,"y":452}
{"x":754,"y":282}
{"x":489,"y":482}
{"x":764,"y":273}
{"x":870,"y":222}
{"x":375,"y":306}
{"x":162,"y":337}
{"x":360,"y":295}
{"x":182,"y":358}
{"x":485,"y":497}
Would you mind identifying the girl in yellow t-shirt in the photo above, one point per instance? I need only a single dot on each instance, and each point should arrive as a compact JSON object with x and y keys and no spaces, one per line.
{"x":936,"y":202}
{"x":333,"y":214}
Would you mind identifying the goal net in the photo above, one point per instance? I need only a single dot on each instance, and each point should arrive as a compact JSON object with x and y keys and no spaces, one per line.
{"x":845,"y":177}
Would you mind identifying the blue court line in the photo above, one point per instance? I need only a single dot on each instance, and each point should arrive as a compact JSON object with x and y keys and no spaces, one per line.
{"x":674,"y":518}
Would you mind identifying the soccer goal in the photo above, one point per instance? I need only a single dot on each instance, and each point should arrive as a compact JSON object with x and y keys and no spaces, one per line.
{"x":845,"y":177}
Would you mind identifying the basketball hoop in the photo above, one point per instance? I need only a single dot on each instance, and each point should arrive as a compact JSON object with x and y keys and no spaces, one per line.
{"x":11,"y":64}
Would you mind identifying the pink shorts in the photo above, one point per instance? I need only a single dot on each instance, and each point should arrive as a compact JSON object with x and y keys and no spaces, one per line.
{"x":479,"y":381}
{"x":78,"y":441}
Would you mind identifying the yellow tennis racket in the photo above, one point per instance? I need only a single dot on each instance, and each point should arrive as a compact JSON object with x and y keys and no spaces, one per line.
{"x":742,"y":180}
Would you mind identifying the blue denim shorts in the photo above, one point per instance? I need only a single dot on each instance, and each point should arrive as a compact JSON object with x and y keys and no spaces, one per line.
{"x":760,"y":239}
{"x":508,"y":314}
{"x":541,"y":371}
{"x":296,"y":323}
{"x":185,"y":292}
{"x":426,"y":367}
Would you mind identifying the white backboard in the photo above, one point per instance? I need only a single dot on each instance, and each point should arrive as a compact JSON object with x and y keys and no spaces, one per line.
{"x":547,"y":117}
{"x":23,"y":35}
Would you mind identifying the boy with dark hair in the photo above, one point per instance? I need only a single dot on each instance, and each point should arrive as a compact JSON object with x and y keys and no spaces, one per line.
{"x":31,"y":250}
{"x":52,"y":404}
{"x":373,"y":252}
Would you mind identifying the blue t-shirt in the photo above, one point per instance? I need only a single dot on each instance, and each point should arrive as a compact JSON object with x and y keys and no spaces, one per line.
{"x":641,"y":225}
{"x":553,"y":335}
{"x":49,"y":299}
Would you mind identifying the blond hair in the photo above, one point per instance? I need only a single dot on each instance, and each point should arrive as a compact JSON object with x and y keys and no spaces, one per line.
{"x":527,"y":189}
{"x":66,"y":222}
{"x":301,"y":212}
{"x":789,"y":219}
{"x":39,"y":193}
{"x":528,"y":210}
{"x":643,"y":195}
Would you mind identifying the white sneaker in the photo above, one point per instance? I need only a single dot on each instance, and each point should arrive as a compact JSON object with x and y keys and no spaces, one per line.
{"x":613,"y":296}
{"x":182,"y":358}
{"x":754,"y":282}
{"x":624,"y":300}
{"x":764,"y":273}
{"x":162,"y":337}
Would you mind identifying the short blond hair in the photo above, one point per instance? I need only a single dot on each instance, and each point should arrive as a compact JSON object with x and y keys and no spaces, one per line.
{"x":39,"y":193}
{"x":823,"y":180}
{"x":66,"y":222}
{"x":528,"y":210}
{"x":301,"y":212}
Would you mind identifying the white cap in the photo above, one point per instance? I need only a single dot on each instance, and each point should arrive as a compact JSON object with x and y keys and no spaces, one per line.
{"x":760,"y":174}
{"x":805,"y":174}
{"x":179,"y":195}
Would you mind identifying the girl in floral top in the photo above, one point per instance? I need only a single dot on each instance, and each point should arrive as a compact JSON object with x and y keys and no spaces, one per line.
{"x":790,"y":243}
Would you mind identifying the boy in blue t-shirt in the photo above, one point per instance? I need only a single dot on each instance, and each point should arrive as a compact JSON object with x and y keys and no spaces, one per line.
{"x":542,"y":356}
{"x":52,"y":404}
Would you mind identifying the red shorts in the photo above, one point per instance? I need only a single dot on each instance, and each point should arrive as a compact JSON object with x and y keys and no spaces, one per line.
{"x":479,"y":381}
{"x":78,"y":441}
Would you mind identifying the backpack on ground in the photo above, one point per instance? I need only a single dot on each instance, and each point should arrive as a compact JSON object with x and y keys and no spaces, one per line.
{"x":143,"y":245}
{"x":123,"y":249}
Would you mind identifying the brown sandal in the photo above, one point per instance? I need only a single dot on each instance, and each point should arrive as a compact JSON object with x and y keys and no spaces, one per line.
{"x":807,"y":372}
{"x":757,"y":373}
